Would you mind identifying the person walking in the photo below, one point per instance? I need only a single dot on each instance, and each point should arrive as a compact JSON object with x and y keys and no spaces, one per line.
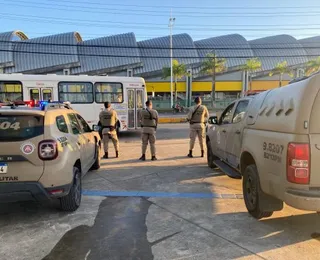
{"x":108,"y":120}
{"x":149,"y":122}
{"x":197,"y":118}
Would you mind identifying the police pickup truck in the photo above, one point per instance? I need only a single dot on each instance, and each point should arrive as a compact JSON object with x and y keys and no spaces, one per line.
{"x":271,"y":141}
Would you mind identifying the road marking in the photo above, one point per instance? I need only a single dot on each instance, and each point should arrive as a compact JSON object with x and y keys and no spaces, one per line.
{"x":107,"y":193}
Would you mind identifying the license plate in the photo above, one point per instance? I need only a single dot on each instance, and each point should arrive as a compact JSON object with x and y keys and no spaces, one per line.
{"x":3,"y":168}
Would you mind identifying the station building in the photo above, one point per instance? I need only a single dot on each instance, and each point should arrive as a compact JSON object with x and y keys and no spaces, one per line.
{"x":122,"y":55}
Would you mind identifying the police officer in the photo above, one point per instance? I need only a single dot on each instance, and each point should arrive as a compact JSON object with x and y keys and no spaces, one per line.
{"x":197,"y":118}
{"x":108,"y":119}
{"x":149,"y":123}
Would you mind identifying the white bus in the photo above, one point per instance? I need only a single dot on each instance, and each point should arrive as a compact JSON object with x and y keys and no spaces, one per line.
{"x":85,"y":93}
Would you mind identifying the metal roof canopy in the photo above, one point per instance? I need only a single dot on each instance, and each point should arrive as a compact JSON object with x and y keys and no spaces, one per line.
{"x":281,"y":46}
{"x":235,"y":44}
{"x":43,"y":54}
{"x":6,"y":45}
{"x":95,"y":47}
{"x":311,"y":46}
{"x":149,"y":48}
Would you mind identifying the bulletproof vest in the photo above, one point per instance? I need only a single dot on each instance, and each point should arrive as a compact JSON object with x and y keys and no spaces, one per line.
{"x":148,"y":118}
{"x":108,"y":118}
{"x":198,"y":115}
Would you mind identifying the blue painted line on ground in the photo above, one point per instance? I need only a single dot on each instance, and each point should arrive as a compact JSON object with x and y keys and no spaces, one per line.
{"x":103,"y":193}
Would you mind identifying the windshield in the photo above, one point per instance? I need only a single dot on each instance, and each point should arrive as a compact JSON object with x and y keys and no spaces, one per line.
{"x":20,"y":127}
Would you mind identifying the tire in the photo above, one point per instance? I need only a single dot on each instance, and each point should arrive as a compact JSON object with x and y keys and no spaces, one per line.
{"x":210,"y":156}
{"x":72,"y":201}
{"x":97,"y":157}
{"x":252,"y":193}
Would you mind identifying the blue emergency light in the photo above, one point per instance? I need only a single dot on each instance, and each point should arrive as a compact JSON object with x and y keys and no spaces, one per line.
{"x":43,"y":104}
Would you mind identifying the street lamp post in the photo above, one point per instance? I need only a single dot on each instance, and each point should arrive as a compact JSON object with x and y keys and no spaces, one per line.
{"x":171,"y":24}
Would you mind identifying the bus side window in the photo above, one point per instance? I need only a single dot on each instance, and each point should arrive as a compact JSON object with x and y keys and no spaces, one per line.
{"x":112,"y":92}
{"x":76,"y":92}
{"x":10,"y":91}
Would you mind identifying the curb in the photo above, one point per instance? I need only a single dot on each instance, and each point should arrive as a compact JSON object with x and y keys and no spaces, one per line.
{"x":169,"y":120}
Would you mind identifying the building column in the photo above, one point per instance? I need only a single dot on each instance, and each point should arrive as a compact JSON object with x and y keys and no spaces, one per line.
{"x":188,"y":88}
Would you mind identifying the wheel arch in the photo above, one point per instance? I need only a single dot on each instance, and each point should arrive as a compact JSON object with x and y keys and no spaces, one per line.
{"x":246,"y":159}
{"x":78,"y":164}
{"x":98,"y":142}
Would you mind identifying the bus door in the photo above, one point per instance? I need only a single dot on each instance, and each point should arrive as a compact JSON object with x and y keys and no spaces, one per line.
{"x":135,"y":105}
{"x":40,"y":94}
{"x":46,"y":93}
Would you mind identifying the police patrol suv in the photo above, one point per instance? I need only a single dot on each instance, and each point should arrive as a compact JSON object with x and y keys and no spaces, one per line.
{"x":44,"y":152}
{"x":272,"y":142}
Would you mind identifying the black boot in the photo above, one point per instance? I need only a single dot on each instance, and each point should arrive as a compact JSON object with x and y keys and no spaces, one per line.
{"x":143,"y":157}
{"x":106,"y":156}
{"x":190,"y":154}
{"x":154,"y":158}
{"x":202,"y":153}
{"x":117,"y":154}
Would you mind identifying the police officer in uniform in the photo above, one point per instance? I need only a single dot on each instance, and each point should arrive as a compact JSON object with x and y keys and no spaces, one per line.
{"x":108,"y":119}
{"x":197,"y":118}
{"x":149,"y":122}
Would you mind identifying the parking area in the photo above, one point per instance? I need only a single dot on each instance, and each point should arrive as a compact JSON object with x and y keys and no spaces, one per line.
{"x":173,"y":208}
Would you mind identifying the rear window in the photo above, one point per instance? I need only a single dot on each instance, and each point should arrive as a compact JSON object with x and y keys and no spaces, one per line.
{"x":18,"y":127}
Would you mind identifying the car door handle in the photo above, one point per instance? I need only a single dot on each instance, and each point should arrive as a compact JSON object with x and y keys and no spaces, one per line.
{"x":238,"y":132}
{"x":224,"y":131}
{"x":79,"y":143}
{"x":88,"y":140}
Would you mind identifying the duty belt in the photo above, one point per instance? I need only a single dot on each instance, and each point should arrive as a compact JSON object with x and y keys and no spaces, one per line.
{"x":111,"y":127}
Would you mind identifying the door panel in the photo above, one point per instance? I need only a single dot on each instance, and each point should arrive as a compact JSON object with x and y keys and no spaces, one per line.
{"x":46,"y":94}
{"x":234,"y":137}
{"x":223,"y":130}
{"x":82,"y":141}
{"x":135,"y":106}
{"x":89,"y":139}
{"x":34,"y":94}
{"x":131,"y":110}
{"x":140,"y":101}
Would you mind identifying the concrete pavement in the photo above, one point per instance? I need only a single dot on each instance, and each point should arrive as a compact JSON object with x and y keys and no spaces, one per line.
{"x":173,"y":208}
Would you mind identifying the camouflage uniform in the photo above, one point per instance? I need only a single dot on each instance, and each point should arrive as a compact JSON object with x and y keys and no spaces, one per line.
{"x":197,"y":118}
{"x":149,"y":122}
{"x":108,"y":119}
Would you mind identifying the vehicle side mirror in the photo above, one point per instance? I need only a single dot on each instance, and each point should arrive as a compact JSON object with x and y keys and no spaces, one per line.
{"x":96,"y":128}
{"x":213,"y":120}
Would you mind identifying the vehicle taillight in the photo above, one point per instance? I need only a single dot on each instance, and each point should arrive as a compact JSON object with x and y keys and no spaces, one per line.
{"x":48,"y":150}
{"x":298,"y":163}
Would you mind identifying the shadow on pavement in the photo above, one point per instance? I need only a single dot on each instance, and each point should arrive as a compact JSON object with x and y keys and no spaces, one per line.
{"x":119,"y":232}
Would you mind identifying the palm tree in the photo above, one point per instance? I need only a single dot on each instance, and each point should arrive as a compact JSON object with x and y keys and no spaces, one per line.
{"x":281,"y":68}
{"x":251,"y":66}
{"x":179,"y":70}
{"x":212,"y":65}
{"x":313,"y":66}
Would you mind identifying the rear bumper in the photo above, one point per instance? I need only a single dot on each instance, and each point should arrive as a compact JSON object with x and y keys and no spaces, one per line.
{"x":303,"y":199}
{"x":29,"y":191}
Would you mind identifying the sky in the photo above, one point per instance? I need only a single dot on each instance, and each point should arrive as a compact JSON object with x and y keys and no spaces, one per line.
{"x":148,"y":18}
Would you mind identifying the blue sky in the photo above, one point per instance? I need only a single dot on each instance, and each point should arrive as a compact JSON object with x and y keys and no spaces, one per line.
{"x":148,"y":18}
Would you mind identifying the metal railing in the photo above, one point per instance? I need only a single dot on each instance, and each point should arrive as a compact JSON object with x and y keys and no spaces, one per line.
{"x":164,"y":104}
